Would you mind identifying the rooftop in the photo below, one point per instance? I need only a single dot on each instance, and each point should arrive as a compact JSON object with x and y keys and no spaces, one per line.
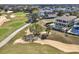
{"x":68,"y":18}
{"x":77,"y":19}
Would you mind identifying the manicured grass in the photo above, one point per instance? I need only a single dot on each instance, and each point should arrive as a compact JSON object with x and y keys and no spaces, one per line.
{"x":32,"y":48}
{"x":3,"y":32}
{"x":20,"y":14}
{"x":8,"y":27}
{"x":16,"y":24}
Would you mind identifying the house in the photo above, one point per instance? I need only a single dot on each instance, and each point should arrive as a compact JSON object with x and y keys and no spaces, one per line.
{"x":47,"y":13}
{"x":59,"y":9}
{"x":64,"y":22}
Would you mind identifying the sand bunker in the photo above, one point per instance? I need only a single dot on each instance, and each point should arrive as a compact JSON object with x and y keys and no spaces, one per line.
{"x":61,"y":46}
{"x":20,"y":41}
{"x":3,"y":19}
{"x":12,"y":16}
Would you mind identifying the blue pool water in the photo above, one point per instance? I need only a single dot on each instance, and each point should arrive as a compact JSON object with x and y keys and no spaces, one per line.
{"x":75,"y":30}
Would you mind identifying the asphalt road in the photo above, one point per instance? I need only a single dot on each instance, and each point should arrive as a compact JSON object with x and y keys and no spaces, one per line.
{"x":7,"y":39}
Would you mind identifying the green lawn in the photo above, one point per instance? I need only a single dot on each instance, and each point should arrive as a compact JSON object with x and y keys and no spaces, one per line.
{"x":20,"y":14}
{"x":3,"y":32}
{"x":29,"y":49}
{"x":8,"y":27}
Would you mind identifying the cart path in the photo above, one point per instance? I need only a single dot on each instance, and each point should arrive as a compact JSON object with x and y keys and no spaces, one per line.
{"x":7,"y":39}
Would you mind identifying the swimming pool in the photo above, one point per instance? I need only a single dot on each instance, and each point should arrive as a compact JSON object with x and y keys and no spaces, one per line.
{"x":75,"y":30}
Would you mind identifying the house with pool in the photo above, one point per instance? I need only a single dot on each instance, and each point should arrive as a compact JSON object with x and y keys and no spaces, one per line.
{"x":75,"y":28}
{"x":63,"y":22}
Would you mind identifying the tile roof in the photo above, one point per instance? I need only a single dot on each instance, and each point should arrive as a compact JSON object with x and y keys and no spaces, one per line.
{"x":68,"y":18}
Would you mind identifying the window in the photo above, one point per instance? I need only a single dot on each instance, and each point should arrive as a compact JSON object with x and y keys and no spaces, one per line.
{"x":64,"y":21}
{"x":63,"y":25}
{"x":59,"y":20}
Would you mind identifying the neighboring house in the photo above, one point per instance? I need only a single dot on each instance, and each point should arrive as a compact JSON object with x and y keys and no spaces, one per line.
{"x":47,"y":13}
{"x":59,"y":9}
{"x":64,"y":22}
{"x":75,"y":28}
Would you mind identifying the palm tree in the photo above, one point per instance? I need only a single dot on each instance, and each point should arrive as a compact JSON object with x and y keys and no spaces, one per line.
{"x":34,"y":15}
{"x":36,"y":29}
{"x":48,"y":30}
{"x":29,"y":8}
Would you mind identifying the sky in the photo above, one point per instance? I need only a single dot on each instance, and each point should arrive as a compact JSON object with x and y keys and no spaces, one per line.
{"x":12,"y":1}
{"x":39,"y":1}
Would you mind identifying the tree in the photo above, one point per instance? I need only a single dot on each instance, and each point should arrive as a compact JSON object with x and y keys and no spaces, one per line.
{"x":0,"y":14}
{"x":29,"y":8}
{"x":46,"y":14}
{"x":35,"y":10}
{"x":36,"y":29}
{"x":48,"y":30}
{"x":65,"y":31}
{"x":34,"y":15}
{"x":60,"y":13}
